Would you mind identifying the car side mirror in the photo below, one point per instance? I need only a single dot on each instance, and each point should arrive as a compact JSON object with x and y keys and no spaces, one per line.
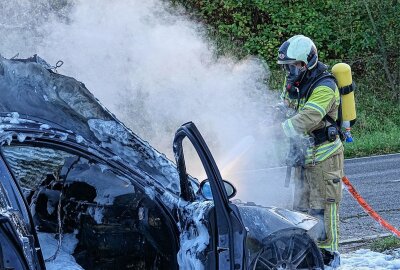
{"x":205,"y":189}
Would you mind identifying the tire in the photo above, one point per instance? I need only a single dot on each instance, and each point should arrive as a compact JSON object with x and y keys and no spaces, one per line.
{"x":289,"y":249}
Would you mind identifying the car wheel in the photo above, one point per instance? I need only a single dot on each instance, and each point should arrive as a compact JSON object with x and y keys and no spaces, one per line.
{"x":289,"y":249}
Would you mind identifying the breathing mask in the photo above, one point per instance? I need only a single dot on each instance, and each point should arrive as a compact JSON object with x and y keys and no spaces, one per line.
{"x":294,"y":75}
{"x":297,"y":49}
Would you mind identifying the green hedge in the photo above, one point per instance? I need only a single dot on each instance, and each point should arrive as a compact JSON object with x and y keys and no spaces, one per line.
{"x":362,"y":33}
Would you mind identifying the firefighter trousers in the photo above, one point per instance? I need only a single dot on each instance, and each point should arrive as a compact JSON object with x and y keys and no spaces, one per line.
{"x":318,"y":191}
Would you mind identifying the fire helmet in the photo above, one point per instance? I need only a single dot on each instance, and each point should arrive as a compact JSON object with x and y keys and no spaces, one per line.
{"x":296,"y":49}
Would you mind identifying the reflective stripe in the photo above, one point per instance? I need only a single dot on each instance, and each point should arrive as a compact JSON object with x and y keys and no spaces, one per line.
{"x":289,"y":129}
{"x":332,"y":210}
{"x":314,"y":106}
{"x":337,"y":96}
{"x":322,"y":152}
{"x":321,"y":148}
{"x":329,"y":245}
{"x":322,"y":95}
{"x":333,"y":244}
{"x":284,"y":93}
{"x":336,"y":145}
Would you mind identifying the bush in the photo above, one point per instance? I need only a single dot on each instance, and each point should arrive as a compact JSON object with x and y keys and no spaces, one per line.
{"x":362,"y":33}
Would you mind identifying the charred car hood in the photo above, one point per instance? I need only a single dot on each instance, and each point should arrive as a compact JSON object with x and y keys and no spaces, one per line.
{"x":31,"y":88}
{"x":262,"y":221}
{"x":265,"y":223}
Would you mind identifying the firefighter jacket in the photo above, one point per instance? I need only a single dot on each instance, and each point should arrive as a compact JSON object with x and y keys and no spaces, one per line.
{"x":317,"y":98}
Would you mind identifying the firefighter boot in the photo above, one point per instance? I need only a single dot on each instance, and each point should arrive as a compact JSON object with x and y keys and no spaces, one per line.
{"x":331,"y":259}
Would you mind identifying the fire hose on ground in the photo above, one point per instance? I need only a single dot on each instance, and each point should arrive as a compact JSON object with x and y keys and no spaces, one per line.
{"x":367,"y":208}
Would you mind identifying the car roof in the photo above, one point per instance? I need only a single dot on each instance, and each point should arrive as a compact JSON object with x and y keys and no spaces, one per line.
{"x":31,"y":90}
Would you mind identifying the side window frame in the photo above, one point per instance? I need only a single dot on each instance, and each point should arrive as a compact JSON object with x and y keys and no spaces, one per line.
{"x":16,"y":200}
{"x":120,"y":169}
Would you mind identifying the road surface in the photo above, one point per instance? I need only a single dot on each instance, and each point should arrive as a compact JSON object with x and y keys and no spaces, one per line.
{"x":376,"y":178}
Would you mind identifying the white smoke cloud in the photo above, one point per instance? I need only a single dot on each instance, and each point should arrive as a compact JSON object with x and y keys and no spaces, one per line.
{"x":154,"y":70}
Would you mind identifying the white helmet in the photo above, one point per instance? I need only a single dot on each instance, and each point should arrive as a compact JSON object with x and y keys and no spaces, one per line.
{"x":298,"y":48}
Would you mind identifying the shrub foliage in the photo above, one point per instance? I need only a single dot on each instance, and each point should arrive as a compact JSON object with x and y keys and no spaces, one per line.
{"x":363,"y":33}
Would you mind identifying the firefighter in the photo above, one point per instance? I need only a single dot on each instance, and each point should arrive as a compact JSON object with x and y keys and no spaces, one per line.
{"x":311,"y":94}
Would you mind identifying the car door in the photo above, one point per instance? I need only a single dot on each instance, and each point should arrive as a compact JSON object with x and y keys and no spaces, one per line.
{"x":19,"y":245}
{"x":230,"y":233}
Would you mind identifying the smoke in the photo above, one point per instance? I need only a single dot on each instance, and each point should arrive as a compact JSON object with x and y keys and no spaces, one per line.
{"x":155,"y":71}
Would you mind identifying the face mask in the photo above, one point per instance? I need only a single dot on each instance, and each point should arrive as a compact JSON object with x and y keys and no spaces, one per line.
{"x":294,"y":76}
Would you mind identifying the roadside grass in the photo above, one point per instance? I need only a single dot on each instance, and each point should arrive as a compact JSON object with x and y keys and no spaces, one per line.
{"x":373,"y":143}
{"x":385,"y":243}
{"x":377,"y":130}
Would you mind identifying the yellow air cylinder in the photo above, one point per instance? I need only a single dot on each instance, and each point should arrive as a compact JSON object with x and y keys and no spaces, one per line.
{"x":342,"y":73}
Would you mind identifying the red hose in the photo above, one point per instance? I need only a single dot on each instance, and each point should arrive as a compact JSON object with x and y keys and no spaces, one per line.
{"x":368,"y":208}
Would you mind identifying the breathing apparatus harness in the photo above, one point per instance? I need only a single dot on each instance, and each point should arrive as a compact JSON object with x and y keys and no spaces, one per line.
{"x":296,"y":154}
{"x":327,"y":133}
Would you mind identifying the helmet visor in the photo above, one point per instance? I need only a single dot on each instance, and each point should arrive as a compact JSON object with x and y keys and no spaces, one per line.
{"x":292,"y":69}
{"x":287,"y":61}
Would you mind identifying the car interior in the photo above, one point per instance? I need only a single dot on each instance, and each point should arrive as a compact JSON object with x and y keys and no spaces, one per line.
{"x":117,"y":225}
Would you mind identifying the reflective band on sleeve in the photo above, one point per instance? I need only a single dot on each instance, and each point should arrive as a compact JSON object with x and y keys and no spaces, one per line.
{"x":314,"y":106}
{"x":289,"y":129}
{"x":283,"y":95}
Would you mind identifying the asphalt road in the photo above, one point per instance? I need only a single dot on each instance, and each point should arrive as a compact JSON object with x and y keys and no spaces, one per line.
{"x":377,"y":179}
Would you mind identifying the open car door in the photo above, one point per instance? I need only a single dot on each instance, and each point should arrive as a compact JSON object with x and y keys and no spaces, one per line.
{"x":19,"y":245}
{"x":228,"y":233}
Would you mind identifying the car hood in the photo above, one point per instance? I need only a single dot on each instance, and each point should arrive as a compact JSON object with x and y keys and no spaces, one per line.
{"x":262,"y":221}
{"x":30,"y":88}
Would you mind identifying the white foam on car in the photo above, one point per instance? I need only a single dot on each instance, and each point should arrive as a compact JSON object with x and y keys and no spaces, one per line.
{"x":64,"y":258}
{"x":195,"y":239}
{"x":113,"y":136}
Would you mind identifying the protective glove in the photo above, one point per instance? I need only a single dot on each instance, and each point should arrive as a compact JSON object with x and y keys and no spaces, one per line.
{"x":280,"y":112}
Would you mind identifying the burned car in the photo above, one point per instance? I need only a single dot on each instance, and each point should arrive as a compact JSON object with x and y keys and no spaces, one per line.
{"x":79,"y":190}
